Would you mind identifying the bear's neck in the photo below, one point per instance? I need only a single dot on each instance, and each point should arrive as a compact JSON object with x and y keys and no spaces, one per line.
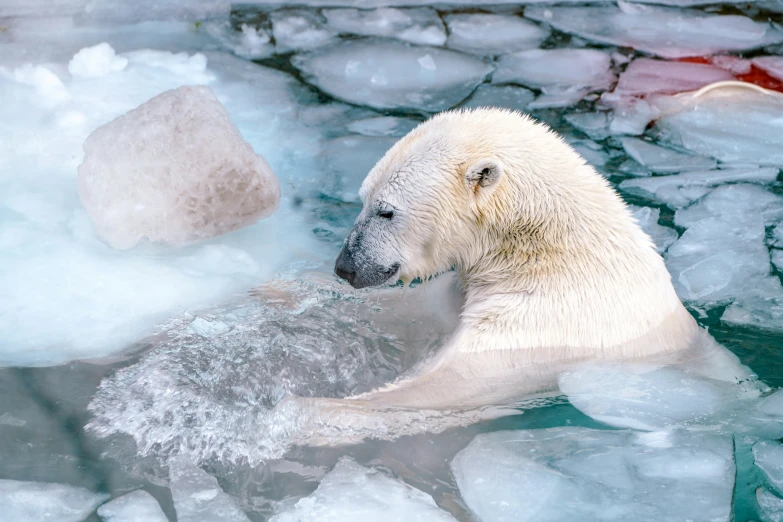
{"x":576,"y":271}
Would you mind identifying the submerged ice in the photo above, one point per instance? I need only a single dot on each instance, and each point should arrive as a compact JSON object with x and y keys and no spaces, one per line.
{"x":587,"y":474}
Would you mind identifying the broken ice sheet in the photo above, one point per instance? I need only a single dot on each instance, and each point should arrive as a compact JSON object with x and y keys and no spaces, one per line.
{"x":198,"y":497}
{"x":417,"y":25}
{"x":594,"y":124}
{"x":663,"y":31}
{"x":730,"y":124}
{"x":393,"y":75}
{"x":662,"y":160}
{"x":564,"y":75}
{"x":505,"y":96}
{"x":137,"y":506}
{"x":770,"y":506}
{"x":646,"y":76}
{"x":768,"y":456}
{"x":383,"y":126}
{"x":299,"y":30}
{"x":680,"y":190}
{"x":38,"y":501}
{"x":353,"y":493}
{"x":772,"y":65}
{"x":492,"y":34}
{"x":585,"y":474}
{"x":663,"y":237}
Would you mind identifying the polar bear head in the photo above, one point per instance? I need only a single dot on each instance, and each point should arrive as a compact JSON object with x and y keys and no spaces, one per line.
{"x":484,"y":191}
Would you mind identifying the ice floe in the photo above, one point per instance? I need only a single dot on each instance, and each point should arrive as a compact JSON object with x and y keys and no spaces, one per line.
{"x":392,"y":75}
{"x":198,"y":497}
{"x":37,"y":501}
{"x":772,"y":65}
{"x":417,"y":25}
{"x":585,"y":474}
{"x":663,"y":237}
{"x":491,"y":34}
{"x":661,"y":160}
{"x":506,"y":96}
{"x":593,"y":124}
{"x":647,"y":76}
{"x":299,"y":30}
{"x":353,"y":493}
{"x":770,"y":506}
{"x":768,"y":456}
{"x":680,"y":190}
{"x":564,"y":75}
{"x":663,"y":31}
{"x":137,"y":506}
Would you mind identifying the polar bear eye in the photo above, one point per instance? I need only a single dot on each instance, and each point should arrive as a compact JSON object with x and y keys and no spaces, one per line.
{"x":386,"y":214}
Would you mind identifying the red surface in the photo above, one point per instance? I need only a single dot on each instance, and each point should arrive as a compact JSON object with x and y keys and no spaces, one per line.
{"x":756,"y":75}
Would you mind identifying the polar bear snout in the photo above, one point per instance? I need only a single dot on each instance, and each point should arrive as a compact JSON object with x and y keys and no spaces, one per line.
{"x":361,"y":272}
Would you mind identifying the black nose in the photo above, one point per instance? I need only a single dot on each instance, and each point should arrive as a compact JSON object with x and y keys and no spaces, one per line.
{"x":344,"y":274}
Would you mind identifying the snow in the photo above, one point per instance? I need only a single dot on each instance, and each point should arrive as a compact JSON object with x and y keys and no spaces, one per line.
{"x":353,"y":493}
{"x":646,"y":76}
{"x":299,"y":30}
{"x":574,"y":473}
{"x":732,"y":125}
{"x":663,"y":237}
{"x":491,"y":34}
{"x":137,"y":506}
{"x":64,"y":294}
{"x":505,"y":96}
{"x":174,"y":170}
{"x":770,"y":506}
{"x":96,"y":61}
{"x":197,"y":496}
{"x":393,"y":75}
{"x":418,"y":25}
{"x":37,"y":501}
{"x":768,"y":456}
{"x":565,"y":76}
{"x":678,"y":191}
{"x":662,"y":160}
{"x":662,"y":31}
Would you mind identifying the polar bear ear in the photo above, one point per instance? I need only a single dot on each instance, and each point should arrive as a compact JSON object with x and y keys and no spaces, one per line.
{"x":484,"y":173}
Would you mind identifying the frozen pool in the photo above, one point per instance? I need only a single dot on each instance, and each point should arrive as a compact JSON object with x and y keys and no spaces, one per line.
{"x":146,"y":383}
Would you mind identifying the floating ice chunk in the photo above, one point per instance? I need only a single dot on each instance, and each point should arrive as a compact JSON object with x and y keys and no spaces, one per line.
{"x":556,"y":70}
{"x":197,"y":496}
{"x":732,"y":125}
{"x":641,"y":396}
{"x":631,"y":115}
{"x":666,"y":32}
{"x":760,"y":305}
{"x":174,"y":170}
{"x":769,"y":458}
{"x":646,"y":76}
{"x":592,"y":152}
{"x":663,"y":237}
{"x":662,"y":160}
{"x":120,"y":11}
{"x":383,"y":126}
{"x":770,"y":506}
{"x":299,"y":30}
{"x":777,"y":256}
{"x":584,"y":474}
{"x":772,"y":65}
{"x":417,"y":25}
{"x":37,"y":501}
{"x":681,"y":190}
{"x":353,"y":493}
{"x":96,"y":61}
{"x":9,"y":420}
{"x":491,"y":34}
{"x":594,"y":124}
{"x":348,"y":159}
{"x":389,"y":75}
{"x":41,"y":8}
{"x":731,"y":201}
{"x":505,"y":96}
{"x":138,"y":506}
{"x":251,"y":42}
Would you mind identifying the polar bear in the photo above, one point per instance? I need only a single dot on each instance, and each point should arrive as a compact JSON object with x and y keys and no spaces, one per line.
{"x":554,"y":268}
